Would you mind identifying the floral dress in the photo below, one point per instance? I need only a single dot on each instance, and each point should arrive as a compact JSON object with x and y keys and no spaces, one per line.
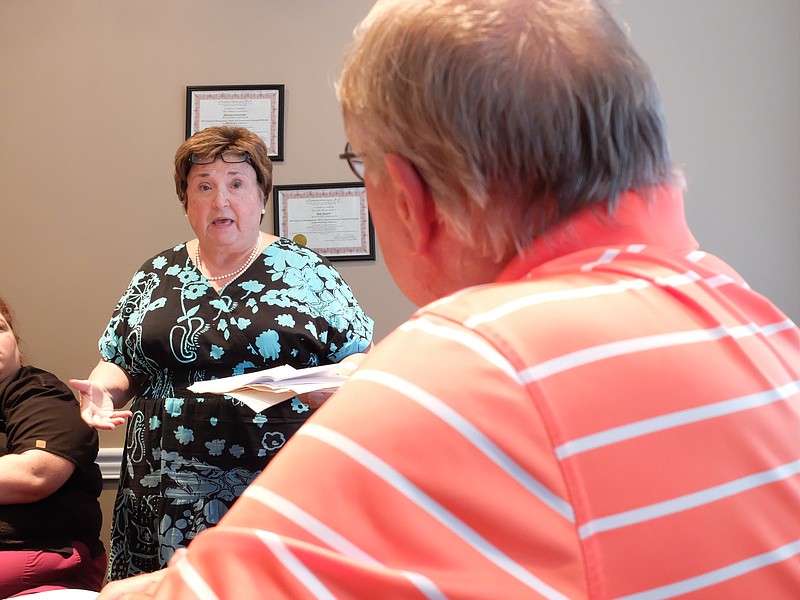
{"x":189,"y":456}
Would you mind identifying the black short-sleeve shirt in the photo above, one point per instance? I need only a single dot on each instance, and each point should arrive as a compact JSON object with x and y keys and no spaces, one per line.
{"x":37,"y":410}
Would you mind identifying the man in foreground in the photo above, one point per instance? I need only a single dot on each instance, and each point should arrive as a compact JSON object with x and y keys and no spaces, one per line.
{"x":587,"y":406}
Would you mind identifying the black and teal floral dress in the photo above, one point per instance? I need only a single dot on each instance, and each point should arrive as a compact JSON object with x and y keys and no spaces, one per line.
{"x":188,"y":456}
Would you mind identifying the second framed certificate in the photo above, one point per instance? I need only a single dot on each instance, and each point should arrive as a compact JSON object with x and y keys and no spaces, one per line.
{"x":330,"y":218}
{"x":258,"y":108}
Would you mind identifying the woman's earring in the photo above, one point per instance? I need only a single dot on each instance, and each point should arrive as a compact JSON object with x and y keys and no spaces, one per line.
{"x":263,"y":211}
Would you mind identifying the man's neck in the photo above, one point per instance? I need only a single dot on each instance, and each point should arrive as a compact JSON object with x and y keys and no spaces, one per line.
{"x":654,"y":217}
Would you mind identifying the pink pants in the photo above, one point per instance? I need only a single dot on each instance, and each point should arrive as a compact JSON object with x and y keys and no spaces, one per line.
{"x":27,"y":571}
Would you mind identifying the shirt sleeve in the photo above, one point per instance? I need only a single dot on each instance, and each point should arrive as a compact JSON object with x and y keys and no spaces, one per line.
{"x":42,"y":413}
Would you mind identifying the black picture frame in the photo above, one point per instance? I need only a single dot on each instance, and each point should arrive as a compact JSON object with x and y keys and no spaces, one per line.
{"x":332,"y":219}
{"x":257,"y":107}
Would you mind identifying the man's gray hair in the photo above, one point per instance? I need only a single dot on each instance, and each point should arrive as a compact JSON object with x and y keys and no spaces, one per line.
{"x":517,"y":113}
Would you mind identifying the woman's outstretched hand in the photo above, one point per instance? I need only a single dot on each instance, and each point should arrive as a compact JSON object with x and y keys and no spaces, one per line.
{"x":97,"y":405}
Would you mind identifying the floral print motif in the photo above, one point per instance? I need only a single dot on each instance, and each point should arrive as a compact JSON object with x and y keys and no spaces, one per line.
{"x":189,"y":456}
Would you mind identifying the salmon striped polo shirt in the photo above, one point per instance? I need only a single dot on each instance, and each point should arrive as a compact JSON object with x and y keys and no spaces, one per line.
{"x":615,"y":417}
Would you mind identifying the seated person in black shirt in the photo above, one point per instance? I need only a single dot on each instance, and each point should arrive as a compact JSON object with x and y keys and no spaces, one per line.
{"x":50,"y":516}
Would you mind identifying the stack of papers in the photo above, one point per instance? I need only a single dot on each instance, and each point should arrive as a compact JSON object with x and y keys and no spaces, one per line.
{"x":261,"y":389}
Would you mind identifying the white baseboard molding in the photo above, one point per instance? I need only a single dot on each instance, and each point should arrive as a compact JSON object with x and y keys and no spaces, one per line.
{"x":109,"y":461}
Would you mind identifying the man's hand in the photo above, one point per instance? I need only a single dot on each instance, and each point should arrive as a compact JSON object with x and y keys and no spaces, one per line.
{"x":140,"y":587}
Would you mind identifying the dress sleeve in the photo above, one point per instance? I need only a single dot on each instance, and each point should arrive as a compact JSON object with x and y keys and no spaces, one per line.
{"x":115,"y":342}
{"x":350,"y":328}
{"x":111,"y":341}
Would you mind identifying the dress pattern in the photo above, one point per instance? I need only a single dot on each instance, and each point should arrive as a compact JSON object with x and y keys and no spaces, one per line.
{"x":188,"y":456}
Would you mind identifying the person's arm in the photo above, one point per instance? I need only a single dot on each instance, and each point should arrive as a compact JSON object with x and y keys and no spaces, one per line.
{"x":103,"y":394}
{"x":138,"y":587}
{"x":425,"y":421}
{"x":347,"y":367}
{"x":32,"y":476}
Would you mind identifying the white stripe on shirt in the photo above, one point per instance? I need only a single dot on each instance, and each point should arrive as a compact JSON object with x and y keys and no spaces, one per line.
{"x":472,"y":434}
{"x":194,"y":581}
{"x":423,"y":501}
{"x":466,"y":338}
{"x":332,"y":538}
{"x":675,"y":419}
{"x":608,"y":256}
{"x":600,"y":352}
{"x":689,"y":501}
{"x":557,"y":296}
{"x":291,"y":563}
{"x":618,"y":287}
{"x":719,"y":575}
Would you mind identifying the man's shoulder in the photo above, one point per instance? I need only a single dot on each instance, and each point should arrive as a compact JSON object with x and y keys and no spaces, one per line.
{"x":472,"y":305}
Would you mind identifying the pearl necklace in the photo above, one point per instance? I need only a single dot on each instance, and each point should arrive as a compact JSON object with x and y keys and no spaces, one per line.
{"x":237,"y":272}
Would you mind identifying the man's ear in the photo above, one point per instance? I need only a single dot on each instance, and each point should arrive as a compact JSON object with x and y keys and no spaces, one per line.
{"x":416,"y":207}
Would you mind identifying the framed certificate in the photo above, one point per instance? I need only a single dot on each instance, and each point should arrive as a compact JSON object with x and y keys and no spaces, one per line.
{"x":330,"y":218}
{"x":258,"y":108}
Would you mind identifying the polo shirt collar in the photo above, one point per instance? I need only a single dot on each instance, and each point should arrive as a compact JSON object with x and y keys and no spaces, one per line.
{"x":654,"y":217}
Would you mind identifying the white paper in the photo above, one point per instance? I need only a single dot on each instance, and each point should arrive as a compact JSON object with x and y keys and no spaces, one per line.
{"x":261,"y":389}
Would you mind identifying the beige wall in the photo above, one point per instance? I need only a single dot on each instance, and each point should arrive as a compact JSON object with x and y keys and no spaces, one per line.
{"x":92,"y":112}
{"x":92,"y":96}
{"x":92,"y":108}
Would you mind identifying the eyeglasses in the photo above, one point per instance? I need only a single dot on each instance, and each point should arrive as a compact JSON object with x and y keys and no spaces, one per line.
{"x":354,"y":160}
{"x":229,"y":156}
